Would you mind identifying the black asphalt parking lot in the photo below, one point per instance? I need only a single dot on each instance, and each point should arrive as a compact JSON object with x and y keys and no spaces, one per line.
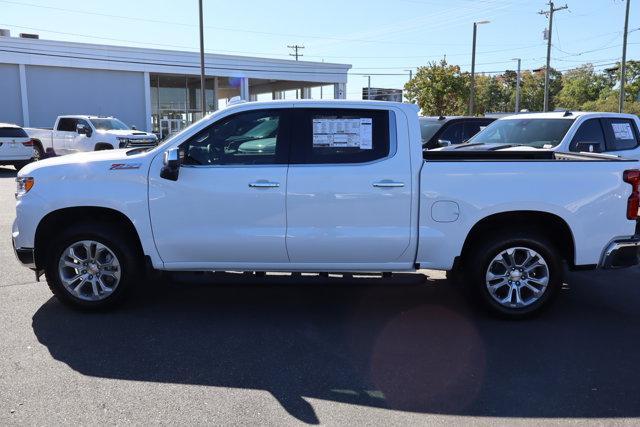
{"x":236,"y":349}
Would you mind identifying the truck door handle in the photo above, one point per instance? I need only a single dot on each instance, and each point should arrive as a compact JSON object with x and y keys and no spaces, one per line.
{"x":264,"y":184}
{"x":388,"y":184}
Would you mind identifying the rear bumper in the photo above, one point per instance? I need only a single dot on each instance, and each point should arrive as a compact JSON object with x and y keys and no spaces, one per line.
{"x":621,"y":253}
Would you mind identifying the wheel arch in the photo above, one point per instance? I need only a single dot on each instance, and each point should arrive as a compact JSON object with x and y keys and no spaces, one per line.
{"x":60,"y":219}
{"x":548,"y":224}
{"x":103,"y":146}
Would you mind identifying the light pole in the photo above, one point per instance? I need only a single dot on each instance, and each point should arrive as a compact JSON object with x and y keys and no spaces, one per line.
{"x":517,"y":85}
{"x":203,"y":97}
{"x":623,"y":65}
{"x":472,"y":89}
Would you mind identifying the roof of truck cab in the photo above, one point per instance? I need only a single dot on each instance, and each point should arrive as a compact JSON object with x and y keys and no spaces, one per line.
{"x":9,"y":125}
{"x":325,"y":103}
{"x":563,"y":115}
{"x":83,"y":116}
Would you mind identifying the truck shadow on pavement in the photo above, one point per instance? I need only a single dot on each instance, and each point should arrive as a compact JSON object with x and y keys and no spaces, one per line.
{"x":405,"y":343}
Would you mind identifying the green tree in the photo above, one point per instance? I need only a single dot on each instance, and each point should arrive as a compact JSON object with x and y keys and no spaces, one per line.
{"x":608,"y":102}
{"x":632,"y":86}
{"x":581,"y":85}
{"x":492,"y":94}
{"x":532,"y":89}
{"x":439,"y":89}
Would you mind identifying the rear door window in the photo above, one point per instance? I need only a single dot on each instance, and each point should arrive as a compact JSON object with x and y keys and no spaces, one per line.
{"x":621,"y":134}
{"x":454,"y":133}
{"x":11,"y":132}
{"x":590,"y":132}
{"x":340,"y":135}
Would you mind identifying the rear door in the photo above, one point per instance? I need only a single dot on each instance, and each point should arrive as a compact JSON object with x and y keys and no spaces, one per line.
{"x":64,"y":131}
{"x":349,"y":189}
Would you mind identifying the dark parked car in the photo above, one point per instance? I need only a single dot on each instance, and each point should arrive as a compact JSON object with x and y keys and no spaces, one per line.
{"x":443,"y":131}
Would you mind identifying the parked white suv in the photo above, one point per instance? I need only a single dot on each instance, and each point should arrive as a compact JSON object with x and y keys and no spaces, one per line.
{"x":73,"y":134}
{"x":16,"y":148}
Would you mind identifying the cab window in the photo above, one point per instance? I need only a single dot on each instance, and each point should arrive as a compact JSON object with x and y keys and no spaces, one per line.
{"x":589,"y":134}
{"x":248,"y":138}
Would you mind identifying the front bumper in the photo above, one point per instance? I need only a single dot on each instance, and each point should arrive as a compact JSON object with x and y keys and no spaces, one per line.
{"x":622,"y":253}
{"x":25,"y":255}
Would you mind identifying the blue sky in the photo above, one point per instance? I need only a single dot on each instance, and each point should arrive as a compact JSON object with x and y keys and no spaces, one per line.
{"x":375,"y":36}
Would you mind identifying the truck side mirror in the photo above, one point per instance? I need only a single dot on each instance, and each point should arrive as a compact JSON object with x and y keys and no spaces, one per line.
{"x":588,"y":147}
{"x":83,"y":130}
{"x":444,"y":142}
{"x":133,"y":127}
{"x":170,"y":165}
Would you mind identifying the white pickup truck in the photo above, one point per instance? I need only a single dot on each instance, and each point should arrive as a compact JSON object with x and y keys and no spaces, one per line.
{"x":73,"y":134}
{"x":324,"y":186}
{"x":565,"y":131}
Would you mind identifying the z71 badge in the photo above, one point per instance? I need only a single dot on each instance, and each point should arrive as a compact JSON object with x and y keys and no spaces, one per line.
{"x":124,"y":166}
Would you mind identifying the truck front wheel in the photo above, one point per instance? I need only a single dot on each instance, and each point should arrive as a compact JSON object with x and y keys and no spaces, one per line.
{"x":517,"y":275}
{"x":92,"y":266}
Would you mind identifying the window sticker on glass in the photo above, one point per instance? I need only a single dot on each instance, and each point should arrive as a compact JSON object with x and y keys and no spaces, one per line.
{"x":332,"y":132}
{"x":622,"y":130}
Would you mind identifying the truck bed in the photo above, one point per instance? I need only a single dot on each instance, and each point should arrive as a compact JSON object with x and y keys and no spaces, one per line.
{"x":528,"y":155}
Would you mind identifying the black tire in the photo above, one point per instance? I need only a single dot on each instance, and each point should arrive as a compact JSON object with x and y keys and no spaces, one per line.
{"x":482,"y":254}
{"x":38,"y":152}
{"x":124,"y":248}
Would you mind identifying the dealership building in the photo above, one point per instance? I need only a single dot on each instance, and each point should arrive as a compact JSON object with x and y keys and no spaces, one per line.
{"x":151,"y":89}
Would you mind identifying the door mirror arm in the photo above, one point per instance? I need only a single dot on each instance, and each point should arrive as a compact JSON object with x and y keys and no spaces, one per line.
{"x":170,"y":165}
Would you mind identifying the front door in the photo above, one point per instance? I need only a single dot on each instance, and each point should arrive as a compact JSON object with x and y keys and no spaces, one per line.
{"x":349,"y":189}
{"x":227,"y":208}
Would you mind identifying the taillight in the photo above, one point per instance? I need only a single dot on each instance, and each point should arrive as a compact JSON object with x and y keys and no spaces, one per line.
{"x":633,"y":177}
{"x":28,"y":143}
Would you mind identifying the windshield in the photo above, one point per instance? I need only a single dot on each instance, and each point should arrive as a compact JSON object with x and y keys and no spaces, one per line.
{"x":537,"y":133}
{"x":428,"y":129}
{"x":108,"y":124}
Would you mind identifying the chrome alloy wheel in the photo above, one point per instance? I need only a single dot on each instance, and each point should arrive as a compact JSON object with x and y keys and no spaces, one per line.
{"x":89,"y":270}
{"x":517,"y":277}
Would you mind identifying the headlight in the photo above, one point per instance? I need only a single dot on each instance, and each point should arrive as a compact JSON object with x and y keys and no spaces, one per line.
{"x":23,"y":185}
{"x":122,"y":142}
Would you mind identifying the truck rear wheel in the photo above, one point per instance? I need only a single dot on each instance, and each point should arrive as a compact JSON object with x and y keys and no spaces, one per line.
{"x":92,"y":266}
{"x":517,"y":275}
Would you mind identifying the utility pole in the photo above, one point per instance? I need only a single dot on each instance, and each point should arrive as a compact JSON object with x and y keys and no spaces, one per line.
{"x":296,"y":48}
{"x":410,"y":74}
{"x":203,"y":97}
{"x":472,"y":88}
{"x":549,"y":14}
{"x":297,"y":54}
{"x":623,"y":66}
{"x":368,"y":86}
{"x":517,"y":85}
